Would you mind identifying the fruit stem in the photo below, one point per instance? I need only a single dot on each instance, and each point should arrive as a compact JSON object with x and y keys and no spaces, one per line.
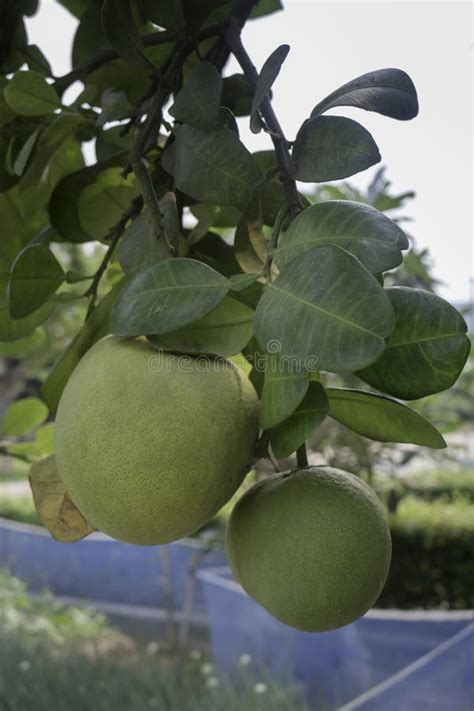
{"x":302,"y":456}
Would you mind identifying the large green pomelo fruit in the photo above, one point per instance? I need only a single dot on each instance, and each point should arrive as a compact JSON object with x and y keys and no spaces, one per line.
{"x":311,"y":546}
{"x":149,"y":444}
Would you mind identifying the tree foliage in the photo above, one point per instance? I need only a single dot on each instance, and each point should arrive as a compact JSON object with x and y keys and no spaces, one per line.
{"x":298,"y":288}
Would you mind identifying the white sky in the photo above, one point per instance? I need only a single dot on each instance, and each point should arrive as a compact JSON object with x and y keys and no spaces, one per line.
{"x":333,"y":42}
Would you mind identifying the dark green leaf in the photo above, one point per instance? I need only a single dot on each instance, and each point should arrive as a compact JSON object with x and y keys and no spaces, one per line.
{"x":225,"y":331}
{"x":56,"y":153}
{"x":36,"y":274}
{"x":212,"y":250}
{"x":24,"y":153}
{"x":214,"y":166}
{"x":64,"y":203}
{"x":112,"y":141}
{"x":102,"y":203}
{"x":426,"y":350}
{"x":371,"y":236}
{"x":198,"y":102}
{"x":379,"y":418}
{"x":293,"y":432}
{"x":326,"y":309}
{"x":22,"y":416}
{"x":390,"y":92}
{"x":224,"y":215}
{"x":284,"y":387}
{"x":138,"y":247}
{"x":332,"y":148}
{"x":95,"y":328}
{"x":237,"y":94}
{"x":29,"y":94}
{"x":265,"y":7}
{"x":166,"y":297}
{"x":266,"y":78}
{"x":36,"y":60}
{"x":121,"y":31}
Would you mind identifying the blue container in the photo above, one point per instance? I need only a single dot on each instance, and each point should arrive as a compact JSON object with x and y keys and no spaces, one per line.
{"x":99,"y":568}
{"x":333,"y":667}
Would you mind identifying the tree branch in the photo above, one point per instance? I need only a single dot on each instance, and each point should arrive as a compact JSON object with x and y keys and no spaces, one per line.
{"x":234,"y":42}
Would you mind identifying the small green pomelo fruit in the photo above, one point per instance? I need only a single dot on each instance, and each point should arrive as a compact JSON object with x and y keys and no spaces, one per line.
{"x":311,"y":546}
{"x":150,"y":444}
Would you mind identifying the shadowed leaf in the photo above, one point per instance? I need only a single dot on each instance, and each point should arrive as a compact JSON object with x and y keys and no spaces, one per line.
{"x":36,"y":275}
{"x":332,"y":148}
{"x":390,"y":92}
{"x":293,"y":432}
{"x":198,"y":102}
{"x":266,"y":78}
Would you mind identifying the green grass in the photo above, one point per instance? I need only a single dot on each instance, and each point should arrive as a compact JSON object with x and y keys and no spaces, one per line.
{"x":54,"y":658}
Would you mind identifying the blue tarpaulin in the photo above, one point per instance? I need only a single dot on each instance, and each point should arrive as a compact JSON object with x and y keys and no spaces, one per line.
{"x":386,"y":661}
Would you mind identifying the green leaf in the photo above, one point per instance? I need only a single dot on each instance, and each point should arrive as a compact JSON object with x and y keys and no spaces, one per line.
{"x":426,"y":350}
{"x":198,"y":102}
{"x":326,"y":309}
{"x":389,"y":92}
{"x":121,"y":31}
{"x":41,"y":446}
{"x":29,"y":94}
{"x":213,"y":251}
{"x":166,"y":297}
{"x":382,"y":419}
{"x":293,"y":432}
{"x":368,"y":234}
{"x":24,"y":153}
{"x":56,"y":153}
{"x":266,"y":78}
{"x":95,"y":328}
{"x":284,"y":386}
{"x":112,"y":141}
{"x":22,"y":416}
{"x":64,"y":203}
{"x":332,"y":148}
{"x":55,"y":509}
{"x":265,"y":7}
{"x":102,"y":203}
{"x":214,"y":166}
{"x":138,"y":247}
{"x":36,"y":275}
{"x":237,"y":94}
{"x":225,"y":331}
